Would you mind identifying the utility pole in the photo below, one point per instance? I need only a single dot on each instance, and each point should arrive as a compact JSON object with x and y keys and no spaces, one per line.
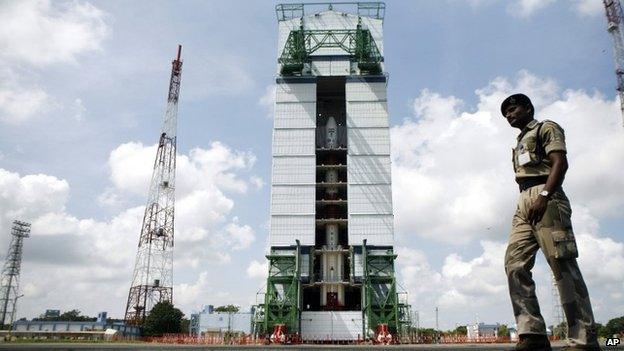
{"x":614,"y":14}
{"x":9,"y":287}
{"x":13,"y":313}
{"x":152,"y":281}
{"x":437,"y":327}
{"x":418,"y":326}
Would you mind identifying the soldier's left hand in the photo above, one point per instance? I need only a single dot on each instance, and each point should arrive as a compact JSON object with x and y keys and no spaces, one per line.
{"x":537,"y":210}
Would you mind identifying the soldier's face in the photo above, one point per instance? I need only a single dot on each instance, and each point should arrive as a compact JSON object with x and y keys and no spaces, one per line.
{"x":518,"y":115}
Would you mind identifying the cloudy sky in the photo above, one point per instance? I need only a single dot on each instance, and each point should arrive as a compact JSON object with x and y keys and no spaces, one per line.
{"x":82,"y":93}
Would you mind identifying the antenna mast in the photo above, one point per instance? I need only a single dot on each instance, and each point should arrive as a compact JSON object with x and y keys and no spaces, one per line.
{"x":152,"y":281}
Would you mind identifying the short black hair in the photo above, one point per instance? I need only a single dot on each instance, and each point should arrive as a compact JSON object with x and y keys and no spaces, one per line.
{"x":516,"y":99}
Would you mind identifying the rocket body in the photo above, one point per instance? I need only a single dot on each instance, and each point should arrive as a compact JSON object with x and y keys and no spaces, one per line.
{"x":331,"y":138}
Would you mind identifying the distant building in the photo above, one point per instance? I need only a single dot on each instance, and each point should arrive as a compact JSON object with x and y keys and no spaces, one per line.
{"x":482,"y":330}
{"x":209,"y":321}
{"x":100,"y":324}
{"x":513,"y":334}
{"x":51,"y":314}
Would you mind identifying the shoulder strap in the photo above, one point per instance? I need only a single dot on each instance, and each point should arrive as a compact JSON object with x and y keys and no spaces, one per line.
{"x":539,"y":147}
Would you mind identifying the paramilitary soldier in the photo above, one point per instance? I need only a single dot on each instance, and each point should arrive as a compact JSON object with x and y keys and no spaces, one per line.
{"x":542,"y":220}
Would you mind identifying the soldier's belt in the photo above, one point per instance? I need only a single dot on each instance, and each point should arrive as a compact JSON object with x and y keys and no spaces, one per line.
{"x":525,"y":183}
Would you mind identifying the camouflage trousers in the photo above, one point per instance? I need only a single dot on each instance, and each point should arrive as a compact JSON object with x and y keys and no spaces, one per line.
{"x":553,"y":234}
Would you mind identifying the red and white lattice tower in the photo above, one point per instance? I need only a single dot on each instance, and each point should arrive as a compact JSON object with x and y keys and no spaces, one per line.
{"x":152,"y":281}
{"x":614,"y":19}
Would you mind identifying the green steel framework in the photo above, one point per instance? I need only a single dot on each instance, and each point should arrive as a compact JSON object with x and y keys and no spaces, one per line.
{"x":282,"y":299}
{"x":287,"y":12}
{"x":358,"y":43}
{"x":380,"y":298}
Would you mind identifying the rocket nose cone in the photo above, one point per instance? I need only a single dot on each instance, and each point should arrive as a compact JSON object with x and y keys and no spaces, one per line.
{"x":331,"y":122}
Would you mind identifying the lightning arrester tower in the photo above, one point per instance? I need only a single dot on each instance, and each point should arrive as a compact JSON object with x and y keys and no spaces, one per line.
{"x":331,"y":261}
{"x":152,"y":280}
{"x":614,"y":26}
{"x":11,"y":271}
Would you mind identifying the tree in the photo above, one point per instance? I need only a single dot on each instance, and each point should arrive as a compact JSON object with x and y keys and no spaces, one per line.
{"x":614,"y":326}
{"x":602,"y":332}
{"x":185,"y":325}
{"x":561,"y":330}
{"x":71,"y":316}
{"x":427,"y":331}
{"x":227,"y":308}
{"x":163,"y":318}
{"x":461,"y":330}
{"x":503,"y":330}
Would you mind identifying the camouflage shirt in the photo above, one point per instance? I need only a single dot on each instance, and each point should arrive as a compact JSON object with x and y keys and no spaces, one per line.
{"x":531,"y":160}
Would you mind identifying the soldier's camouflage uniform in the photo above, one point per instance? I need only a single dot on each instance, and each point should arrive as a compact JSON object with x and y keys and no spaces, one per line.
{"x":553,"y":234}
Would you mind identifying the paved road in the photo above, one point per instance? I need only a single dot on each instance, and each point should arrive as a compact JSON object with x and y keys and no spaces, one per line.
{"x":160,"y":347}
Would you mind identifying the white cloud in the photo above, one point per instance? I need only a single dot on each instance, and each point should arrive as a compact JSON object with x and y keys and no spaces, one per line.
{"x":588,"y":7}
{"x":131,"y":167}
{"x":97,"y":253}
{"x":92,"y":253}
{"x":453,"y":183}
{"x":32,"y":290}
{"x":477,"y":286}
{"x":207,"y":289}
{"x":203,"y":178}
{"x":442,"y":173}
{"x":525,"y":8}
{"x":27,"y":197}
{"x":18,"y":104}
{"x":45,"y":32}
{"x":464,"y":286}
{"x":257,"y":269}
{"x":241,"y":236}
{"x":40,"y":33}
{"x":109,"y":198}
{"x":200,"y":290}
{"x":453,"y":167}
{"x":600,"y":257}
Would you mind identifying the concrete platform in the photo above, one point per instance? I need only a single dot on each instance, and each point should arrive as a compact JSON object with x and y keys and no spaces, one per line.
{"x":161,"y":347}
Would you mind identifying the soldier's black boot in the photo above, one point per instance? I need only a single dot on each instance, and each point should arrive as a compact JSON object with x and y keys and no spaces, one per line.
{"x":533,"y":342}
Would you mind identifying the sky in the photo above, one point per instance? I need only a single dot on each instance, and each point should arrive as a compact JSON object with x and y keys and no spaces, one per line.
{"x":83,"y":87}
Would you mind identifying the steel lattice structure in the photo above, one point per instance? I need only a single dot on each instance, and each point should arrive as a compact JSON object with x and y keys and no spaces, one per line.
{"x":358,"y":43}
{"x":152,"y":281}
{"x":9,"y":288}
{"x":614,"y":19}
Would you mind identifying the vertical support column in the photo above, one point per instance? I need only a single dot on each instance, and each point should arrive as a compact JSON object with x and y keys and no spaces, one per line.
{"x":282,"y":299}
{"x":380,"y":295}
